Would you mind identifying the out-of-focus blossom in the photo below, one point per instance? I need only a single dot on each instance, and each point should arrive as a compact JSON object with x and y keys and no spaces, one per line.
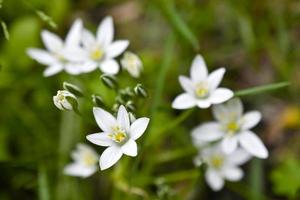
{"x":202,"y":88}
{"x":118,"y":135}
{"x":85,"y":162}
{"x":132,"y":63}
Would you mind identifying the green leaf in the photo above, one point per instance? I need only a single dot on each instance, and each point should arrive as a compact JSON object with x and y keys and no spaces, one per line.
{"x":5,"y":31}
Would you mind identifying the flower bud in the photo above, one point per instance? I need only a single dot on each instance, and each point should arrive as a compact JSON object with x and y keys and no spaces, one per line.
{"x":109,"y":81}
{"x":132,"y":63}
{"x":140,"y":91}
{"x":130,"y":106}
{"x":73,"y":89}
{"x":65,"y":100}
{"x":131,"y":117}
{"x":97,"y":100}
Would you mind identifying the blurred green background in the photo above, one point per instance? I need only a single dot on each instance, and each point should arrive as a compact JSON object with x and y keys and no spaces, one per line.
{"x":257,"y":42}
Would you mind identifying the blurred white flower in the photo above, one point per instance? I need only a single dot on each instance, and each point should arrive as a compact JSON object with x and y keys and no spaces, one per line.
{"x":65,"y":100}
{"x":85,"y":162}
{"x":202,"y":88}
{"x":233,"y":127}
{"x":56,"y":50}
{"x":132,"y":63}
{"x":118,"y":135}
{"x":221,"y":166}
{"x":101,"y":50}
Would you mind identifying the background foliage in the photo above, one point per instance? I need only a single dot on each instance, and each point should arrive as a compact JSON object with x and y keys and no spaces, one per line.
{"x":257,"y":41}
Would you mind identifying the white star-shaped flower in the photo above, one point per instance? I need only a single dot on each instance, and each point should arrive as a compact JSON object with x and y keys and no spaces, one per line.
{"x":202,"y":88}
{"x":85,"y":162}
{"x":101,"y":50}
{"x":233,"y":128}
{"x":56,"y":50}
{"x":221,"y":166}
{"x":118,"y":135}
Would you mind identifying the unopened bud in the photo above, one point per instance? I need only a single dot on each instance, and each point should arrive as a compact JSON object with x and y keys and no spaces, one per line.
{"x":73,"y":89}
{"x":130,"y":106}
{"x":65,"y":100}
{"x":97,"y":100}
{"x":109,"y":81}
{"x":140,"y":91}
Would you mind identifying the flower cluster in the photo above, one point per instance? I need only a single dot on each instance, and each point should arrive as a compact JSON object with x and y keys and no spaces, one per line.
{"x":228,"y":142}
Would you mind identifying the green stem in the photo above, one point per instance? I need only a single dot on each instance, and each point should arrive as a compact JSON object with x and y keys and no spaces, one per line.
{"x":43,"y":189}
{"x":256,"y":178}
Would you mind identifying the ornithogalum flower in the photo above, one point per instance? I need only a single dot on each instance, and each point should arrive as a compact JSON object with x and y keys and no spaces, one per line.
{"x":118,"y":135}
{"x":221,"y":166}
{"x":55,"y":55}
{"x":85,"y":162}
{"x":65,"y":100}
{"x":101,"y":50}
{"x":233,"y":128}
{"x":132,"y":63}
{"x":202,"y":88}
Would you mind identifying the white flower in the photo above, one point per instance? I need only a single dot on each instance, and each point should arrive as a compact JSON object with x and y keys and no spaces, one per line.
{"x":101,"y":50}
{"x":233,"y":127}
{"x":202,"y":89}
{"x":118,"y":135}
{"x":62,"y":100}
{"x":55,"y":54}
{"x":132,"y":63}
{"x":85,"y":162}
{"x":221,"y":166}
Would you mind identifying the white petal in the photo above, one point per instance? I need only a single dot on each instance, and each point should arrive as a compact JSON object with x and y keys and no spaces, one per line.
{"x":207,"y":132}
{"x":229,"y":144}
{"x":116,"y":48}
{"x":104,"y":119}
{"x":89,"y":66}
{"x":203,"y":103}
{"x":88,"y":39}
{"x":130,"y":148}
{"x":251,"y":143}
{"x":52,"y":42}
{"x":238,"y":157}
{"x":184,"y":101}
{"x":105,"y":32}
{"x":221,"y":95}
{"x":231,"y":110}
{"x":215,"y":78}
{"x":75,"y":54}
{"x":109,"y":67}
{"x":138,"y":127}
{"x":101,"y":139}
{"x":74,"y":35}
{"x":110,"y":156}
{"x":53,"y":69}
{"x":123,"y":118}
{"x":186,"y":84}
{"x":198,"y":69}
{"x":214,"y":180}
{"x":73,"y":68}
{"x":42,"y":56}
{"x":233,"y":173}
{"x":79,"y":170}
{"x":250,"y":119}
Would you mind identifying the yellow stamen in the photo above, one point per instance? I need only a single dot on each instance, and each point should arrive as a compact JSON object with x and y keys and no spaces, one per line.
{"x":89,"y":159}
{"x":217,"y":161}
{"x":201,"y":90}
{"x":97,"y":54}
{"x":232,"y":127}
{"x":118,"y":134}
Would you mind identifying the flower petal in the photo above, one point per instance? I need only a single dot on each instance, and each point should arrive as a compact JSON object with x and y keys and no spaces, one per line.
{"x":73,"y":68}
{"x":130,"y":148}
{"x":89,"y":66}
{"x":184,"y":101}
{"x":53,"y":69}
{"x":209,"y":131}
{"x":101,"y":139}
{"x":231,"y":110}
{"x":229,"y":144}
{"x":42,"y":56}
{"x":105,"y":32}
{"x":251,"y":143}
{"x":186,"y":84}
{"x":250,"y":119}
{"x":238,"y":157}
{"x":215,"y":78}
{"x":88,"y":39}
{"x":109,"y":66}
{"x":74,"y":35}
{"x":198,"y":69}
{"x":104,"y":119}
{"x":116,"y":48}
{"x":221,"y":95}
{"x":203,"y":103}
{"x":214,"y":180}
{"x":110,"y":156}
{"x":233,"y":173}
{"x":52,"y":42}
{"x":138,"y":127}
{"x":76,"y":169}
{"x":123,"y":118}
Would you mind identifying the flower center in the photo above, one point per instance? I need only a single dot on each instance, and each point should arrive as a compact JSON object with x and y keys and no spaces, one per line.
{"x":118,"y":135}
{"x":89,"y":159}
{"x":201,"y":90}
{"x":60,"y":97}
{"x":217,"y":161}
{"x":232,"y":127}
{"x":96,"y":54}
